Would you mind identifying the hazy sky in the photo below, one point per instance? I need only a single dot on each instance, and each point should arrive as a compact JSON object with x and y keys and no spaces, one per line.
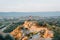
{"x":29,"y":5}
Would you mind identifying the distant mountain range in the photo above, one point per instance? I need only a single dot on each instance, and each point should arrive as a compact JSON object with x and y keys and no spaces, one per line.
{"x":19,"y":14}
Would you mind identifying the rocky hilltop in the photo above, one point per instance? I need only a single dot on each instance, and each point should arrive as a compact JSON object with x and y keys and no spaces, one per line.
{"x":31,"y":30}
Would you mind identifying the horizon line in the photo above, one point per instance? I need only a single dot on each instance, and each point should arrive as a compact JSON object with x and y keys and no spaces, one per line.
{"x":33,"y":11}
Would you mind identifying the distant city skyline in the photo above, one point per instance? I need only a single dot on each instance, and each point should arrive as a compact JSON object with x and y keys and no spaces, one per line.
{"x":29,"y":5}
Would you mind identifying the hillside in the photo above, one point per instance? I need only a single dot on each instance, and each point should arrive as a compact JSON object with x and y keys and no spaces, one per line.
{"x":30,"y":29}
{"x":33,"y":28}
